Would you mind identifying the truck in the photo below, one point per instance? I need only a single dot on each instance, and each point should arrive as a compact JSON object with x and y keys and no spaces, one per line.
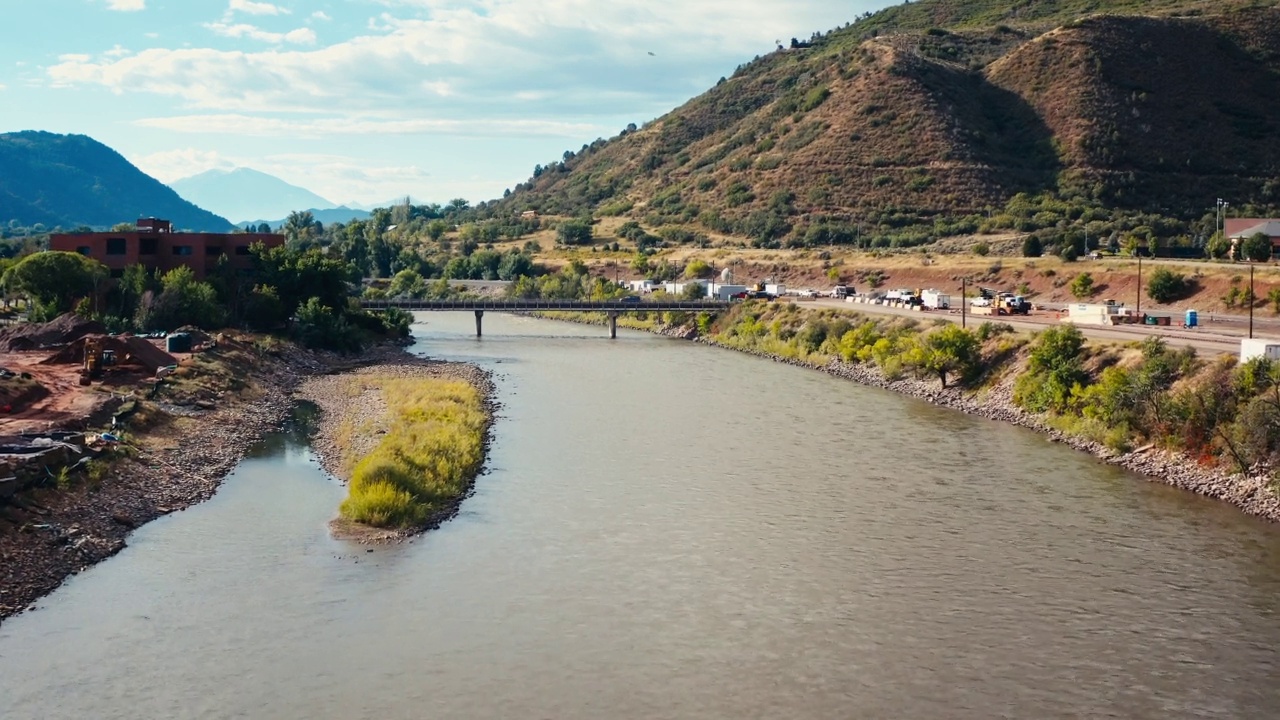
{"x":1012,"y":304}
{"x":841,"y":291}
{"x":935,"y":299}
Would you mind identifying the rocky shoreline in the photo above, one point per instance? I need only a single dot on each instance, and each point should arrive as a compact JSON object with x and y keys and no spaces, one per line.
{"x":79,"y":528}
{"x":1250,"y":492}
{"x":344,"y":403}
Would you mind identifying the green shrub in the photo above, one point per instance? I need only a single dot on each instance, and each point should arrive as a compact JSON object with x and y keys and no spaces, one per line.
{"x":1082,"y":286}
{"x":1166,"y":286}
{"x":432,"y":448}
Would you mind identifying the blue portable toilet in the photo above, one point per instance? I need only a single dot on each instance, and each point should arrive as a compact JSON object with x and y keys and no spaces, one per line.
{"x":1193,"y":318}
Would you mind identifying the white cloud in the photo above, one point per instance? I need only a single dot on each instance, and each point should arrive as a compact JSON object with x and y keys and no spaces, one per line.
{"x":3,"y":86}
{"x":578,"y":56}
{"x":320,"y":15}
{"x":301,"y":36}
{"x":332,"y":176}
{"x":73,"y":58}
{"x":172,"y":165}
{"x":127,"y":5}
{"x":117,"y":51}
{"x":256,"y":8}
{"x":253,"y":126}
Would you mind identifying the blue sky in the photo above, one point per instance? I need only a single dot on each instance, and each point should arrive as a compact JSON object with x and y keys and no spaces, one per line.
{"x":367,"y":100}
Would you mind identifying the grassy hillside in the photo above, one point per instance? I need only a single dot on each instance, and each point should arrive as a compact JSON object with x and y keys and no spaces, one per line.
{"x":73,"y":180}
{"x":946,"y":117}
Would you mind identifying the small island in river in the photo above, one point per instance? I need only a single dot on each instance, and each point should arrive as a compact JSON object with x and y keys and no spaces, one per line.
{"x":409,"y":437}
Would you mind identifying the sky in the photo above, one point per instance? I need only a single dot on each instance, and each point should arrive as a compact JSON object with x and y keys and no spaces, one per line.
{"x":363,"y":101}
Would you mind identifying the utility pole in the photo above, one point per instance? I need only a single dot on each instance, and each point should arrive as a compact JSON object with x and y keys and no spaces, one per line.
{"x":964,"y":302}
{"x":1139,"y":309}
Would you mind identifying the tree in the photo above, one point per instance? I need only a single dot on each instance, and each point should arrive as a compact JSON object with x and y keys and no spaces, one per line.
{"x":1054,"y":370}
{"x":1032,"y":247}
{"x":1217,"y":247}
{"x":184,"y":301}
{"x":694,"y":291}
{"x":407,"y":282}
{"x":319,"y":326}
{"x":1274,"y":298}
{"x":949,"y":350}
{"x":1166,"y":286}
{"x":55,"y":280}
{"x":697,"y":269}
{"x":263,"y":309}
{"x":300,"y":228}
{"x":436,"y":229}
{"x":1257,"y":247}
{"x":574,"y":232}
{"x":1082,"y":287}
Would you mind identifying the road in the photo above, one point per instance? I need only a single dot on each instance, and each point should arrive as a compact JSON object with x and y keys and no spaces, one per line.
{"x":1214,"y":338}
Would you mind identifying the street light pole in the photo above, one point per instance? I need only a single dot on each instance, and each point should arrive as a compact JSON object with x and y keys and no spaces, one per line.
{"x":963,"y":302}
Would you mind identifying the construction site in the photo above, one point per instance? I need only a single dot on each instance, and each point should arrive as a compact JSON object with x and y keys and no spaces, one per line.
{"x":62,"y":378}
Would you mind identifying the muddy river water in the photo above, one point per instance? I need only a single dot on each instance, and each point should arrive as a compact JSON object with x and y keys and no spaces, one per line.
{"x":673,"y":531}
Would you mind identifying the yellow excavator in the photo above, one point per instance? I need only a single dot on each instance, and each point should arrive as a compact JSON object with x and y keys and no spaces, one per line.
{"x":92,"y":360}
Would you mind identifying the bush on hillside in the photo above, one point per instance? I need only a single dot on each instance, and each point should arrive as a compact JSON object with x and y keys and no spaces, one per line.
{"x":1167,"y":286}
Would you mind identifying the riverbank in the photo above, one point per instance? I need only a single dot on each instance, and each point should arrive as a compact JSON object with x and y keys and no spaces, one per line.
{"x":1252,"y":493}
{"x":356,"y":417}
{"x":178,"y":460}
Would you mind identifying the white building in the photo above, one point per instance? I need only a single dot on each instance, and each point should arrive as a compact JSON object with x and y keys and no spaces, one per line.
{"x":678,"y":287}
{"x":724,"y":292}
{"x":1108,"y":313}
{"x":643,"y":287}
{"x":1251,"y":348}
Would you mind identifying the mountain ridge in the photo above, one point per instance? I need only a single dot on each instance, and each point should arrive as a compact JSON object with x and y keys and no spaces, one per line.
{"x":73,"y":180}
{"x":899,"y":130}
{"x":243,"y":193}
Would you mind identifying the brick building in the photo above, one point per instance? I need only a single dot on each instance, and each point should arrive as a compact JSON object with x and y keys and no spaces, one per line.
{"x":154,"y":244}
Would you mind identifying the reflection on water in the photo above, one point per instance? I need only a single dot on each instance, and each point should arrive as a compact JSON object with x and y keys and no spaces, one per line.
{"x":673,"y":531}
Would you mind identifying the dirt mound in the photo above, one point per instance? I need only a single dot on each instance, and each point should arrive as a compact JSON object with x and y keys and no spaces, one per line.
{"x":60,"y":331}
{"x":129,"y":349}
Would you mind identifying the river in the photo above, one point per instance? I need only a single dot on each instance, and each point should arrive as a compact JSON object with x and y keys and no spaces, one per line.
{"x":673,"y":531}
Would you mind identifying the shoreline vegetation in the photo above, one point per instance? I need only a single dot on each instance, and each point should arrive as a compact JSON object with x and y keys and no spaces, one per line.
{"x":409,"y":437}
{"x":1207,"y":425}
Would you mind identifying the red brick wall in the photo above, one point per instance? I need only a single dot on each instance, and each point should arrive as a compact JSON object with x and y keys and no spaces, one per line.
{"x":167,"y":247}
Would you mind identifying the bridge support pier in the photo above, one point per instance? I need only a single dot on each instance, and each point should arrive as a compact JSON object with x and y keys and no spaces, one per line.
{"x":479,"y":318}
{"x":613,"y":325}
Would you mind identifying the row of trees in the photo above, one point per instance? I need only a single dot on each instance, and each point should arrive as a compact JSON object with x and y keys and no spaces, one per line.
{"x":310,"y":287}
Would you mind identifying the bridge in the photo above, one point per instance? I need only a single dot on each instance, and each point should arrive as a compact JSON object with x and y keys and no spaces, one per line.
{"x":611,"y":307}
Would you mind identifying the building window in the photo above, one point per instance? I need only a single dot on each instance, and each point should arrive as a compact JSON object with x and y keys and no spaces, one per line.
{"x":181,"y":249}
{"x":213,"y":250}
{"x":242,"y":249}
{"x":84,"y":250}
{"x":147,"y":246}
{"x":115,"y":246}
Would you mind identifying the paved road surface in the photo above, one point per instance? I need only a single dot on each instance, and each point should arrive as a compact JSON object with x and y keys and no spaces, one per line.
{"x":1213,"y":338}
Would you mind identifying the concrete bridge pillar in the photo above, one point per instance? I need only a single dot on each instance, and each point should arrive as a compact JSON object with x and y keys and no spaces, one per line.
{"x":613,"y":325}
{"x":479,"y":318}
